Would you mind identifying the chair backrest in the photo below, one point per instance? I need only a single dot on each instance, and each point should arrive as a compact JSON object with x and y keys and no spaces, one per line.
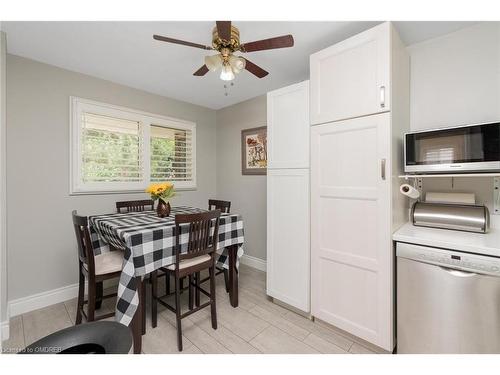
{"x":223,"y":206}
{"x":134,"y":206}
{"x":203,"y":233}
{"x":85,"y":249}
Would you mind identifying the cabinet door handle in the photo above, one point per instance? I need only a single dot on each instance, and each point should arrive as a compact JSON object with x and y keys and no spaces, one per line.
{"x":382,"y":168}
{"x":382,"y":96}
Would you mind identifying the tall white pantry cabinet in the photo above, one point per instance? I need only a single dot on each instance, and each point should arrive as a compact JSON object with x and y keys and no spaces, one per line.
{"x":359,"y":110}
{"x":288,"y":196}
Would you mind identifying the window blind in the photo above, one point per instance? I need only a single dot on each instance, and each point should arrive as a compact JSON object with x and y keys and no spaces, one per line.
{"x":111,"y":149}
{"x":171,"y":154}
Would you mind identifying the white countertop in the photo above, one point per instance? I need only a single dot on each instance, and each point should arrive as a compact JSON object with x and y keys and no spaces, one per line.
{"x":487,"y":244}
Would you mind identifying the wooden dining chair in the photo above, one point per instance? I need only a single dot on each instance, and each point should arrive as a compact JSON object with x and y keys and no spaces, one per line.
{"x":96,"y":268}
{"x":223,"y":206}
{"x":134,"y":206}
{"x":203,"y":232}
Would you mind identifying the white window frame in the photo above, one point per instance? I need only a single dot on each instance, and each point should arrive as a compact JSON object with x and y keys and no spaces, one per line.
{"x":78,"y":106}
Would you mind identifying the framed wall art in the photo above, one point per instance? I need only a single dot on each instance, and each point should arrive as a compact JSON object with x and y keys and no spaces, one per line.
{"x":254,"y":151}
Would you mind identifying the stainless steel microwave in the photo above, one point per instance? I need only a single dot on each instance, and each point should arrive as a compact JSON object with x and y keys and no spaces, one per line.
{"x":470,"y":148}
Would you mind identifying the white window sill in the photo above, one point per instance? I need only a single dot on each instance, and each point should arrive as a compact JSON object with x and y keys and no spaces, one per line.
{"x":133,"y":191}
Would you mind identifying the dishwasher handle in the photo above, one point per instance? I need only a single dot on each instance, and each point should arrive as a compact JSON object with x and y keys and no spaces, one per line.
{"x":458,"y":273}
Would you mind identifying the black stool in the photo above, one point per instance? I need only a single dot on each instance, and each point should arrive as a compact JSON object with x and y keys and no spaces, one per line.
{"x":101,"y":337}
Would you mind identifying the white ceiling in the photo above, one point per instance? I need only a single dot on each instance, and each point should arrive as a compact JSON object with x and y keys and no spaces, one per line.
{"x":125,"y":52}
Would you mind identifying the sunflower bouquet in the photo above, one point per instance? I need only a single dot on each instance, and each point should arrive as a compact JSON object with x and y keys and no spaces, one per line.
{"x":163,"y":191}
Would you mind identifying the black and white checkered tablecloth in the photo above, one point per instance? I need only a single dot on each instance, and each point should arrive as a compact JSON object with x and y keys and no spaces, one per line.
{"x":148,"y":243}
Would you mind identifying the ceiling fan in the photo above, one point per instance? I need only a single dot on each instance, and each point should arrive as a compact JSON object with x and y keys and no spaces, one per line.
{"x":226,"y":40}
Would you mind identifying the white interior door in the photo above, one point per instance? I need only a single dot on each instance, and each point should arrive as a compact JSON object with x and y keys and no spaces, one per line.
{"x":351,"y":78}
{"x":351,"y":247}
{"x":288,"y":249}
{"x":288,"y":127}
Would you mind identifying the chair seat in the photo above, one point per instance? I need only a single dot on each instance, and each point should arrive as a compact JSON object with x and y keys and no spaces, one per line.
{"x":108,"y":262}
{"x":190,"y":262}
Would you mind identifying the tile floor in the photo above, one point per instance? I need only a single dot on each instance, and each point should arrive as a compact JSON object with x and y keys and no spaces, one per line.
{"x":256,"y":326}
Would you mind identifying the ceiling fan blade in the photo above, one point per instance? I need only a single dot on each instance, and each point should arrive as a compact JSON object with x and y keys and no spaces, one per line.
{"x":224,"y":30}
{"x":201,"y":72}
{"x":255,"y":69}
{"x":178,"y":41}
{"x":271,"y":43}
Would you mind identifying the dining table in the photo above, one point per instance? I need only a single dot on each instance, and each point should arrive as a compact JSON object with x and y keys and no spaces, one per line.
{"x":148,"y":243}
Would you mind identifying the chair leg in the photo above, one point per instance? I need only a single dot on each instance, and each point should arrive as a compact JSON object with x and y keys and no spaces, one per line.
{"x":190,"y":290}
{"x":197,"y":289}
{"x":154,"y":295}
{"x":143,"y":306}
{"x":81,"y":296}
{"x":226,"y":280}
{"x":167,"y":284}
{"x":213,"y":310}
{"x":91,"y":302}
{"x":178,"y":313}
{"x":98,"y":295}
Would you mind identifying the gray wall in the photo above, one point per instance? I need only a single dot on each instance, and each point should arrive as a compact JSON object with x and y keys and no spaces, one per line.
{"x":41,"y":244}
{"x":3,"y":240}
{"x":247,"y":193}
{"x":455,"y":79}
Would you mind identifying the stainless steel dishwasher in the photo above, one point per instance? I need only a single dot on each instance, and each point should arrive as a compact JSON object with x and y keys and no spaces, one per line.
{"x":447,"y":301}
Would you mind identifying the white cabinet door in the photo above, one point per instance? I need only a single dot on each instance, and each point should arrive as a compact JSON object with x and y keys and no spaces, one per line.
{"x":351,"y":78}
{"x":288,"y":127}
{"x":351,"y":247}
{"x":288,"y":255}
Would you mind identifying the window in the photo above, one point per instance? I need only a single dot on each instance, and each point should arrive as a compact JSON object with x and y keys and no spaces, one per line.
{"x":117,"y":149}
{"x":111,"y":149}
{"x":170,"y":154}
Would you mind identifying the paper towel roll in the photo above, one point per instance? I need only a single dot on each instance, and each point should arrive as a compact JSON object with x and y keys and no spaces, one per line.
{"x":461,"y":198}
{"x":409,"y":191}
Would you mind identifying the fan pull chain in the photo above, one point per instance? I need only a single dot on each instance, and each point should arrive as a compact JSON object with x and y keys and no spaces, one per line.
{"x":226,"y":88}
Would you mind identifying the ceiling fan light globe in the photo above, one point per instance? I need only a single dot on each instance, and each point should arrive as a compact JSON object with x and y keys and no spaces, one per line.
{"x":227,"y":73}
{"x":227,"y":76}
{"x":237,"y":63}
{"x":235,"y":68}
{"x":240,"y":63}
{"x":213,"y":62}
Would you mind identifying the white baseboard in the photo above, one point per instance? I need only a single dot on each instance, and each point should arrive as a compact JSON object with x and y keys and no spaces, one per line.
{"x":5,"y":330}
{"x":254,"y":262}
{"x":40,"y":300}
